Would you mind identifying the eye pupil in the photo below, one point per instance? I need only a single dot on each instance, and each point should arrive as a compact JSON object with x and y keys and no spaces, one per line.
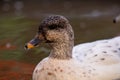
{"x":52,"y":26}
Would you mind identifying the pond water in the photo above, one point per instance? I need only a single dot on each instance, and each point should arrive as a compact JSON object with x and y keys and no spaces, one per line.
{"x":91,"y":20}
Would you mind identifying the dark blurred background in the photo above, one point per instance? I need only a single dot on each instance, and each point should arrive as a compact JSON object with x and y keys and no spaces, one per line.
{"x":19,"y":21}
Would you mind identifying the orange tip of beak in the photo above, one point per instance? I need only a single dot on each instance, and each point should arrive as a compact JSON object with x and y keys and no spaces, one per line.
{"x":29,"y":46}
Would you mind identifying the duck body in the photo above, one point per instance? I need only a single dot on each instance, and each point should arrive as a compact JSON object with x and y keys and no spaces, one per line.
{"x":99,"y":60}
{"x":102,"y":64}
{"x":56,"y":70}
{"x":102,"y":55}
{"x":79,"y":72}
{"x":103,"y":52}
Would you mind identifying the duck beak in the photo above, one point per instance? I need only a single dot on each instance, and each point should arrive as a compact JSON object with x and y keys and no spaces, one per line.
{"x":34,"y":42}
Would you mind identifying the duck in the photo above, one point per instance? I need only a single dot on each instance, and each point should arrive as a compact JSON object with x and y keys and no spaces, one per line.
{"x":98,"y":60}
{"x":116,"y":19}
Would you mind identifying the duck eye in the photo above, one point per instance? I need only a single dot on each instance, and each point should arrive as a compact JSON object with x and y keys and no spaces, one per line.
{"x":52,"y":27}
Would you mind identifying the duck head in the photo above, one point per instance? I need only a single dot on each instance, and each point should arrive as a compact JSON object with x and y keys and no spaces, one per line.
{"x":54,"y":29}
{"x":116,"y":19}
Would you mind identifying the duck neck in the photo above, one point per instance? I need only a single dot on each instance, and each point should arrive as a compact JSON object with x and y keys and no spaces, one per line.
{"x":62,"y":50}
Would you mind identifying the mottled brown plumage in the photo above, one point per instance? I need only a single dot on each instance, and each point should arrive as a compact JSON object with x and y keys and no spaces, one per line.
{"x":59,"y":34}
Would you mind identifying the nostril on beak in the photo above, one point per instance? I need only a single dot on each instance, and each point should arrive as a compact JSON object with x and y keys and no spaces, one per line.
{"x":26,"y":47}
